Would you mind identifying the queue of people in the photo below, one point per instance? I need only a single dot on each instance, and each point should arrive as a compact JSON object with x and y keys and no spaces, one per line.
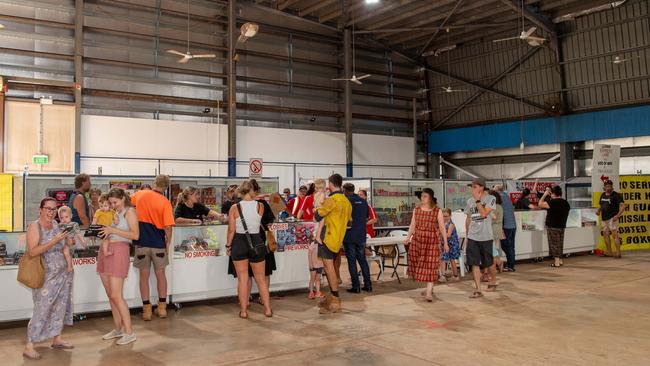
{"x":344,"y":220}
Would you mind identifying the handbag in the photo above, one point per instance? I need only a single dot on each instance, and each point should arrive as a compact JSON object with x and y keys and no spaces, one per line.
{"x":31,"y":270}
{"x":255,"y":249}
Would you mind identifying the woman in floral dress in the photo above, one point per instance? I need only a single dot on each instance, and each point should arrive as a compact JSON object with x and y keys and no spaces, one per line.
{"x":424,"y":238}
{"x":53,"y":301}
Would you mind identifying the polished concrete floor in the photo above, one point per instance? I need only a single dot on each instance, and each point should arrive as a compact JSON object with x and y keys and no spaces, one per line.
{"x":593,"y":311}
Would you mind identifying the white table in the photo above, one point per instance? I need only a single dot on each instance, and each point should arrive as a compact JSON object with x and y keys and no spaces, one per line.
{"x":388,"y":241}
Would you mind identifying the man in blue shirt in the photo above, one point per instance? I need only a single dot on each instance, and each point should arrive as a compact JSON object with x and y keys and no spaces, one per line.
{"x":509,"y":228}
{"x":355,"y":241}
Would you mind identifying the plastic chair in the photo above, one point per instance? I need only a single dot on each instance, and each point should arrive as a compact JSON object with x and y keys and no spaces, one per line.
{"x":374,"y":256}
{"x":400,"y":253}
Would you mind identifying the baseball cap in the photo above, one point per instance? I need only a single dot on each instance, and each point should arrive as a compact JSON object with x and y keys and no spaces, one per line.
{"x":608,"y":182}
{"x":480,"y":181}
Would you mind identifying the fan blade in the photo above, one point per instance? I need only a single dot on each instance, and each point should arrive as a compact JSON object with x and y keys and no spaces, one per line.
{"x":458,"y":91}
{"x":207,"y":55}
{"x":174,"y":52}
{"x":363,"y":77}
{"x":356,"y":81}
{"x":445,"y":89}
{"x":340,"y":79}
{"x":505,"y":39}
{"x":185,"y":59}
{"x":529,"y":32}
{"x":536,"y":39}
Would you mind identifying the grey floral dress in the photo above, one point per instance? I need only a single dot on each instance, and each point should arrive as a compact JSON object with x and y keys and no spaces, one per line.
{"x":52,"y":302}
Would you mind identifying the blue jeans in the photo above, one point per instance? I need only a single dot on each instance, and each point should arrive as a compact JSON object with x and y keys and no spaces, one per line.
{"x":508,"y":246}
{"x":356,"y":252}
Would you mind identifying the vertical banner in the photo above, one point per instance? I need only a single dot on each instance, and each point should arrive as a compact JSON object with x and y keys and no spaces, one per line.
{"x":634,"y":224}
{"x":605,"y":165}
{"x":6,"y":202}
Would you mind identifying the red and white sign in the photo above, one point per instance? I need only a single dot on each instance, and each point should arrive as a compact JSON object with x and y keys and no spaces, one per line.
{"x":201,"y":254}
{"x":84,"y":261}
{"x":255,"y":168}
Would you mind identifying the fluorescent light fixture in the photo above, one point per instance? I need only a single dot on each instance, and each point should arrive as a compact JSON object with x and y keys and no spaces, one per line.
{"x":372,"y":1}
{"x":46,"y":101}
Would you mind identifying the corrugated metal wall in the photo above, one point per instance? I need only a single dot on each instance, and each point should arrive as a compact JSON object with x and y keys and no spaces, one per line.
{"x":283,"y":74}
{"x":593,"y":80}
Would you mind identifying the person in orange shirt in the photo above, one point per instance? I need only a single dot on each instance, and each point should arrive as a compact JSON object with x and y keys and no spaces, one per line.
{"x":155,"y":218}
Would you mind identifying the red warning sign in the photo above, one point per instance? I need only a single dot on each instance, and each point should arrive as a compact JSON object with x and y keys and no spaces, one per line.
{"x":255,"y":168}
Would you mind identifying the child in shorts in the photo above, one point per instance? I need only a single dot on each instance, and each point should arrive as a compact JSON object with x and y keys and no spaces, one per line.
{"x":315,"y":264}
{"x":105,"y":216}
{"x":65,"y":219}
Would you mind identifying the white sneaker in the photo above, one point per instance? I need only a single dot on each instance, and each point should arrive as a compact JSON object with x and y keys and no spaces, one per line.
{"x":113,"y":334}
{"x":126,"y":339}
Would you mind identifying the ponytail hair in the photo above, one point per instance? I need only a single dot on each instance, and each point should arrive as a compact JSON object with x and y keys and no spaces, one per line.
{"x":185,"y":195}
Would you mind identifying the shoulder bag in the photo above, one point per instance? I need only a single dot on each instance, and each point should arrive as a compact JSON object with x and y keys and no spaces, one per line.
{"x":31,"y":270}
{"x":256,"y":248}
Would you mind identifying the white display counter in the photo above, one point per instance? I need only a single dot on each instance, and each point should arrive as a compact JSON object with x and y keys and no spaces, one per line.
{"x":197,"y":272}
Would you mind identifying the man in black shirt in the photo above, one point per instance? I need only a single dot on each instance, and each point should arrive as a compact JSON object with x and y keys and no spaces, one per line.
{"x":523,"y":203}
{"x":231,"y":199}
{"x":556,"y":216}
{"x":611,"y":208}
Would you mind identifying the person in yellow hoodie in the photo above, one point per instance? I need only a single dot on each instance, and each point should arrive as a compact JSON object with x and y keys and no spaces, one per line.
{"x":336,"y":212}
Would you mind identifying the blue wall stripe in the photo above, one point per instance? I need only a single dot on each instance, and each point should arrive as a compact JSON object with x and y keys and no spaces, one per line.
{"x":614,"y":123}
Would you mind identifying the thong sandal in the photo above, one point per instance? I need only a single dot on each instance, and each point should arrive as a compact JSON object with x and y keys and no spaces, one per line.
{"x":554,"y":265}
{"x":269,"y":315}
{"x":476,"y":295}
{"x":64,"y":345}
{"x":241,"y":315}
{"x":491,"y":288}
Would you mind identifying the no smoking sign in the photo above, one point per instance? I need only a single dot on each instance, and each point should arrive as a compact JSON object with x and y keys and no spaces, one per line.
{"x":255,"y":166}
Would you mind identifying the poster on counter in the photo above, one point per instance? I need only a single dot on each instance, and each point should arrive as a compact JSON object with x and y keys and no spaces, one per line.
{"x":293,"y":236}
{"x":634,"y":224}
{"x":605,"y":165}
{"x":537,"y":187}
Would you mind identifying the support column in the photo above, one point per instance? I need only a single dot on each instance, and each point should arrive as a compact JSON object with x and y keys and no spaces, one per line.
{"x":567,"y":167}
{"x":347,"y":65}
{"x":232,"y":89}
{"x":434,"y":166}
{"x":78,"y":79}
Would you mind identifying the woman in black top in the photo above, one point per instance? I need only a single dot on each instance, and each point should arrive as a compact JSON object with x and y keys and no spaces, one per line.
{"x":557,"y":213}
{"x":189,"y":211}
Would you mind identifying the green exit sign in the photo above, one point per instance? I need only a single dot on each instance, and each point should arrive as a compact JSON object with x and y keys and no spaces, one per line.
{"x":40,"y":159}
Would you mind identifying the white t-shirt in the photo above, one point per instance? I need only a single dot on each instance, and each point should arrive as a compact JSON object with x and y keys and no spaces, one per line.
{"x":480,"y":228}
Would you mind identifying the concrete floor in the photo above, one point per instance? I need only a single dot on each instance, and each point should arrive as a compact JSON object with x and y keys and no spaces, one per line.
{"x":594,"y":311}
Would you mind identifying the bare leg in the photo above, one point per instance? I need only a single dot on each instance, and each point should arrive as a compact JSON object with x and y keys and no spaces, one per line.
{"x":337,"y":268}
{"x":117,"y":319}
{"x":117,"y":300}
{"x":262,"y":286}
{"x":241,"y":267}
{"x":317,"y":282}
{"x":454,"y":270}
{"x":608,"y":244}
{"x":476,"y":272}
{"x":493,"y":274}
{"x":330,"y":273}
{"x":144,"y":284}
{"x":429,"y":291}
{"x":161,"y":282}
{"x":617,"y":242}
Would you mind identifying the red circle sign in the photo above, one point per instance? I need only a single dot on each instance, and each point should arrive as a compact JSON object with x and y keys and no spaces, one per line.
{"x":256,"y":166}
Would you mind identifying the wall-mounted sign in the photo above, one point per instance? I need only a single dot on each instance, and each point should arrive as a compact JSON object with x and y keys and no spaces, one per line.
{"x":40,"y":159}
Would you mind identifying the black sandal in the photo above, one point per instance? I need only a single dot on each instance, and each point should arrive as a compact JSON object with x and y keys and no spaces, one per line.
{"x":491,"y":288}
{"x":476,"y":295}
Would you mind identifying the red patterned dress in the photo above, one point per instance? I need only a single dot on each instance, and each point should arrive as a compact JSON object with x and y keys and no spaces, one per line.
{"x":426,"y":248}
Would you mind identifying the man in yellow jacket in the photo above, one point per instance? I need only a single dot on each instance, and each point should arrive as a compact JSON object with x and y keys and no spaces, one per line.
{"x":336,"y":212}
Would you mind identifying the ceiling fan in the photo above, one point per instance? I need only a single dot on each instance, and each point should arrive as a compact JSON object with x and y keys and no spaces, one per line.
{"x":448,"y":88}
{"x":355,"y":79}
{"x":525,"y":35}
{"x":185,"y":57}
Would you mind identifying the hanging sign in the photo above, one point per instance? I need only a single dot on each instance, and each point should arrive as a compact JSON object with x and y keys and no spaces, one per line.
{"x":605,"y":165}
{"x":40,"y":159}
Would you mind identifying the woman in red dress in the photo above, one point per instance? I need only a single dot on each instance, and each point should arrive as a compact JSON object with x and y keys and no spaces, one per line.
{"x":424,"y":238}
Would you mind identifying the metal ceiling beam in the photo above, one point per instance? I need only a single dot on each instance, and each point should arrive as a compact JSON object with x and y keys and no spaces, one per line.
{"x":433,"y":36}
{"x":380,"y":10}
{"x":315,"y":7}
{"x":419,"y":10}
{"x":418,"y":29}
{"x":530,"y":14}
{"x":492,"y":83}
{"x":286,"y":3}
{"x":338,"y":12}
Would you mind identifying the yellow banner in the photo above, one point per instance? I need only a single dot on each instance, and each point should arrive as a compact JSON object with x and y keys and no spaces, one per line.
{"x":634,"y":224}
{"x":6,"y":202}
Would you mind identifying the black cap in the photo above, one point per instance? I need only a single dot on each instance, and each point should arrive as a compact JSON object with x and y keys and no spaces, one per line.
{"x":480,"y":181}
{"x":426,"y":190}
{"x":608,"y":182}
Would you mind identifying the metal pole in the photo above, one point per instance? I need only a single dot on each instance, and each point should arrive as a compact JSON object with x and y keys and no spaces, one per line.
{"x":78,"y":78}
{"x":347,"y":65}
{"x":538,"y":167}
{"x":415,"y":138}
{"x":232,"y":90}
{"x":443,"y":161}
